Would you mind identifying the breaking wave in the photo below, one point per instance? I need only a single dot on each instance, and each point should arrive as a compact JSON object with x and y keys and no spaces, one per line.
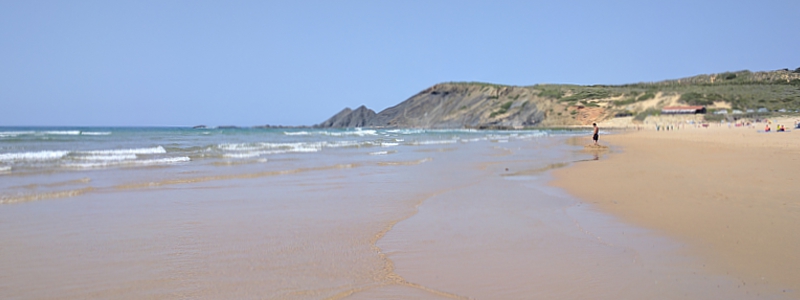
{"x":153,"y":150}
{"x":6,"y":134}
{"x":95,"y":133}
{"x":33,"y":156}
{"x":358,"y":132}
{"x":146,"y":162}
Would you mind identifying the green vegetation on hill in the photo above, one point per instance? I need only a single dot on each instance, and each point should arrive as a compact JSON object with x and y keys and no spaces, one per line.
{"x":742,"y":90}
{"x":503,"y":109}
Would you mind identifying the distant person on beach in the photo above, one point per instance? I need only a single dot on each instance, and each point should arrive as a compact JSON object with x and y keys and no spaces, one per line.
{"x":595,"y":135}
{"x":766,"y":129}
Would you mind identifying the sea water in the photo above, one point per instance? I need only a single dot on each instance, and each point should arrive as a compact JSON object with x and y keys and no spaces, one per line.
{"x":41,"y":162}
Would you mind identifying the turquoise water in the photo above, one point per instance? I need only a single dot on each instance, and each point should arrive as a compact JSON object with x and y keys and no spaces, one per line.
{"x":52,"y":162}
{"x":32,"y":149}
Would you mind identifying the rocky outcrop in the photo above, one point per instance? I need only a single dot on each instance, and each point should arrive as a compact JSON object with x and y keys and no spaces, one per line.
{"x":453,"y":105}
{"x":348,"y":118}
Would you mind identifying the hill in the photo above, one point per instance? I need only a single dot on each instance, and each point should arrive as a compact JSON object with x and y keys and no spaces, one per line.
{"x":484,"y":105}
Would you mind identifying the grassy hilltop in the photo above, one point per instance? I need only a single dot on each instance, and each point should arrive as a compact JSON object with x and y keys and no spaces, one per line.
{"x":740,"y":90}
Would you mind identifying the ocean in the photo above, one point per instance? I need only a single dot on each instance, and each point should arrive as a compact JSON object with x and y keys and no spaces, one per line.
{"x":248,"y":213}
{"x":38,"y":162}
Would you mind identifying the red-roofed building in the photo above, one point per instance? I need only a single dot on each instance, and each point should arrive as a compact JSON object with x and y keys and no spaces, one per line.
{"x":675,"y":110}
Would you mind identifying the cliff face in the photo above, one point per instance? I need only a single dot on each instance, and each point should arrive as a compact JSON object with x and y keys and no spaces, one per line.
{"x":455,"y":105}
{"x":464,"y":105}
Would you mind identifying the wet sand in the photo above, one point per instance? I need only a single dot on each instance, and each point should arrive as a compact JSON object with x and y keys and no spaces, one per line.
{"x":456,"y":221}
{"x":730,"y":194}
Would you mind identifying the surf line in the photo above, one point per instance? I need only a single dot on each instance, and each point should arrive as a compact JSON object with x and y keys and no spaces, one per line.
{"x":229,"y":177}
{"x":48,"y":195}
{"x":13,"y":199}
{"x":388,"y":276}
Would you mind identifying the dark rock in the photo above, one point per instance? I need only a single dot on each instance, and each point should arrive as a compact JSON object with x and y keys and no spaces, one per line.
{"x":267,"y":126}
{"x":348,"y":118}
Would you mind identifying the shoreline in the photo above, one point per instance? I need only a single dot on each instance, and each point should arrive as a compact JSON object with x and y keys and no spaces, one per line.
{"x":506,"y":234}
{"x":435,"y":221}
{"x":726,"y":193}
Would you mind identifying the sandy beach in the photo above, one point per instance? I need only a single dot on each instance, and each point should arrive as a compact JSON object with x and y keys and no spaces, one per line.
{"x":729,"y":193}
{"x":433,"y":218}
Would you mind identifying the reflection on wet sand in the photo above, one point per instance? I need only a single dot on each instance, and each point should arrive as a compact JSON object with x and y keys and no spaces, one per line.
{"x":536,"y":170}
{"x":45,"y":195}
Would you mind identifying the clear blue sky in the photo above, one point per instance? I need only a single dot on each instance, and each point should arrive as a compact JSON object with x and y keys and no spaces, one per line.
{"x":299,"y":62}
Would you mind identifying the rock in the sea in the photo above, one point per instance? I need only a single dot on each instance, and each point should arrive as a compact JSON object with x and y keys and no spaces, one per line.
{"x":348,"y":118}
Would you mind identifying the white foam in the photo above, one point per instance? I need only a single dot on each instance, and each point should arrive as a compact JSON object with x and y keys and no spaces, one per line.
{"x":159,"y":161}
{"x":357,"y":132}
{"x":434,"y":142}
{"x":33,"y":156}
{"x":256,"y":150}
{"x":309,"y":147}
{"x":343,"y":144}
{"x":15,"y":133}
{"x":5,"y":169}
{"x":418,"y":131}
{"x":389,"y":144}
{"x":381,"y":152}
{"x":304,"y":150}
{"x":244,"y":155}
{"x":95,"y":133}
{"x":52,"y":132}
{"x":471,"y":140}
{"x":112,"y":157}
{"x":153,"y":150}
{"x":147,"y":162}
{"x":297,"y":133}
{"x":517,"y":135}
{"x":406,"y":131}
{"x":62,"y":132}
{"x":243,"y":147}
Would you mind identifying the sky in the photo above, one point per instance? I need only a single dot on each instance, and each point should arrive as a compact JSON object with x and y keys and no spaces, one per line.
{"x":184,"y":63}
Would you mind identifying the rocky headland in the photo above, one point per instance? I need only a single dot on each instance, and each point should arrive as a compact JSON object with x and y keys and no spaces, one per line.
{"x":494,"y":106}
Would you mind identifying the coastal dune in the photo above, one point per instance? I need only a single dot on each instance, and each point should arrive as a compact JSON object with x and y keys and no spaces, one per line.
{"x":730,"y":194}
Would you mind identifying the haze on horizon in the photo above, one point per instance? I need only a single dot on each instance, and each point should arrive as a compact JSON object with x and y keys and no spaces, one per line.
{"x":150,"y":63}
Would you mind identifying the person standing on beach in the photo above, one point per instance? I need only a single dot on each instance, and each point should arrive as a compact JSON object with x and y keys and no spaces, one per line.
{"x":595,"y":135}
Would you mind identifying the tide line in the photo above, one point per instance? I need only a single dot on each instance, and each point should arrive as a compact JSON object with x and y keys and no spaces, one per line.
{"x":228,"y":177}
{"x":41,"y":196}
